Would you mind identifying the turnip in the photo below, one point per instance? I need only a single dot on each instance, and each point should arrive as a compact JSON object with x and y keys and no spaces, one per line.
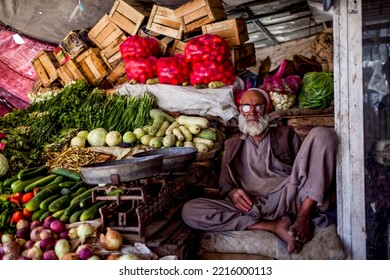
{"x":57,"y":226}
{"x":48,"y":220}
{"x":50,"y":255}
{"x":47,"y":244}
{"x":84,"y":251}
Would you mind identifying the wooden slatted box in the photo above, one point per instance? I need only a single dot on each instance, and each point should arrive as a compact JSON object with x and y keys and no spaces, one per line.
{"x":178,"y":47}
{"x":45,"y":64}
{"x":111,"y":54}
{"x":118,"y":75}
{"x":197,"y":13}
{"x":73,"y":44}
{"x":243,"y":56}
{"x":93,"y":65}
{"x":127,"y":17}
{"x":69,"y":72}
{"x":104,"y":32}
{"x":163,"y":21}
{"x":234,"y":31}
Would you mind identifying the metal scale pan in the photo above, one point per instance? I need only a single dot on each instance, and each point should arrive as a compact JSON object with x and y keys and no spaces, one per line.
{"x":173,"y":158}
{"x":120,"y":171}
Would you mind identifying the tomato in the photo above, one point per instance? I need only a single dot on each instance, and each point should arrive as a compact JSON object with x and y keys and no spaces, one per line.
{"x":14,"y":201}
{"x":26,"y":213}
{"x":17,"y":196}
{"x":27,"y":197}
{"x":16,"y":217}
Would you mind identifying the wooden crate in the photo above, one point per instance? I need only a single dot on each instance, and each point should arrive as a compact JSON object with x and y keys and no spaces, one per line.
{"x":73,"y":44}
{"x":178,"y":47}
{"x":118,"y":75}
{"x":197,"y":13}
{"x":104,"y":32}
{"x":234,"y":31}
{"x":69,"y":72}
{"x":111,"y":54}
{"x":243,"y":56}
{"x":128,"y":18}
{"x":61,"y":55}
{"x":45,"y":64}
{"x":163,"y":21}
{"x":93,"y":65}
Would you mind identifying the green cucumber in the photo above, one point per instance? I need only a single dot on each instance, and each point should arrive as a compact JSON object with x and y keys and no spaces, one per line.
{"x":68,"y":173}
{"x":58,"y":214}
{"x":75,"y":217}
{"x":44,"y":205}
{"x":44,"y":216}
{"x":40,"y":171}
{"x":40,"y":183}
{"x":37,"y":214}
{"x":71,"y":209}
{"x":77,"y":186}
{"x":19,"y":185}
{"x":92,"y":212}
{"x":33,"y":204}
{"x":85,"y":202}
{"x":81,"y":196}
{"x":8,"y":182}
{"x":60,"y":203}
{"x":56,"y":181}
{"x":64,"y":218}
{"x":67,"y":184}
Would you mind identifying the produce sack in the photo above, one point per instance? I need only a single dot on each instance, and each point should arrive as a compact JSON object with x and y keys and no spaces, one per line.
{"x":137,"y":46}
{"x":141,"y":69}
{"x":173,"y":70}
{"x":317,"y":90}
{"x":206,"y":47}
{"x":283,"y":90}
{"x":208,"y":71}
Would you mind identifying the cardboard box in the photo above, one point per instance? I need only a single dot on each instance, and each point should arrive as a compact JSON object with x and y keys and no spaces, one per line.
{"x":234,"y":31}
{"x":104,"y":32}
{"x":45,"y":64}
{"x":92,"y":65}
{"x":163,"y":21}
{"x":111,"y":54}
{"x":127,"y":17}
{"x":69,"y":72}
{"x":197,"y":13}
{"x":243,"y":56}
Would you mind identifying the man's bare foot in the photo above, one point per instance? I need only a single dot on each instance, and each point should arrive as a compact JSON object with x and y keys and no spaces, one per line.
{"x":280,"y":227}
{"x":302,"y":229}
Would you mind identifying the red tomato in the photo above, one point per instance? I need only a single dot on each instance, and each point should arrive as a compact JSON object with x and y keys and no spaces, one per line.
{"x":16,"y":217}
{"x":26,"y":213}
{"x":27,"y":197}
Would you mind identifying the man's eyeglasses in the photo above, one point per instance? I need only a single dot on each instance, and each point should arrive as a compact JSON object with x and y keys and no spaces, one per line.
{"x":258,"y":108}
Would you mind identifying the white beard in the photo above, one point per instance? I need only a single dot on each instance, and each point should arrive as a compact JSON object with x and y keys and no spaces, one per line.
{"x":252,"y":128}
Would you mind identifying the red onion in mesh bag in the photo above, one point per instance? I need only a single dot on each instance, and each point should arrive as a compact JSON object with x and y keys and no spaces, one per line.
{"x":208,"y":71}
{"x":173,"y":70}
{"x":206,"y":47}
{"x":137,"y":46}
{"x":141,"y":69}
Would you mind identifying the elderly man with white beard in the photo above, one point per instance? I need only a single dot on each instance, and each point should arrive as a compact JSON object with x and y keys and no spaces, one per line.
{"x":271,"y":180}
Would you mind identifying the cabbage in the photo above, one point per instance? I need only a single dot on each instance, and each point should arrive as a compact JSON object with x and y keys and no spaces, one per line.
{"x":77,"y":141}
{"x":83,"y":134}
{"x":4,"y":166}
{"x":317,"y":90}
{"x":113,"y":138}
{"x":97,"y":137}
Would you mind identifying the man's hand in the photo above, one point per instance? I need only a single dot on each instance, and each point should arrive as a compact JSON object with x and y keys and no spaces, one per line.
{"x":241,"y":199}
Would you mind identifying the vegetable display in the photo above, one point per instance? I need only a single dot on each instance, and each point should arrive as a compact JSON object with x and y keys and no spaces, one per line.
{"x":317,"y":90}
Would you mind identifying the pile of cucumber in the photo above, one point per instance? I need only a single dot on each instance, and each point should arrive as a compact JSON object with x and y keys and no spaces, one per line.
{"x":60,"y":193}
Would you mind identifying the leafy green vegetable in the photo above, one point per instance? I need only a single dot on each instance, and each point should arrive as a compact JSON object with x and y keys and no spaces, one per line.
{"x":317,"y":90}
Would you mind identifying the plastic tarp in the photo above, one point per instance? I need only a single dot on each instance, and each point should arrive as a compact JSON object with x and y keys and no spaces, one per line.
{"x":189,"y":100}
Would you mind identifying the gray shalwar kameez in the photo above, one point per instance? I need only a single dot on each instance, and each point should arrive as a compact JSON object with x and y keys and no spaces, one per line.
{"x":279,"y":173}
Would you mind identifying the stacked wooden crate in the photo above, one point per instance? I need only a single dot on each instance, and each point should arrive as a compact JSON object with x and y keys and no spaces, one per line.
{"x":94,"y":55}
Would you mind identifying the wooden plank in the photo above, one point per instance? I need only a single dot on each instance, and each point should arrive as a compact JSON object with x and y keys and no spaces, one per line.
{"x":104,"y":32}
{"x":117,"y":72}
{"x":41,"y":71}
{"x":92,"y":64}
{"x":234,"y":31}
{"x":163,"y":21}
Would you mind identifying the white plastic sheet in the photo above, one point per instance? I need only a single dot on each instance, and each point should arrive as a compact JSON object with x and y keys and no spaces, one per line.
{"x":189,"y":100}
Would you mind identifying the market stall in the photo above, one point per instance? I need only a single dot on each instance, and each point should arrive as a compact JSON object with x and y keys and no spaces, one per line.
{"x":126,"y":124}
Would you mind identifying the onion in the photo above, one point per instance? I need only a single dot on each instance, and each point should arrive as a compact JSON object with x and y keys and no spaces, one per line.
{"x":84,"y":251}
{"x":70,"y":256}
{"x":47,"y":244}
{"x":112,"y":241}
{"x":84,"y":231}
{"x":11,"y":247}
{"x":57,"y":226}
{"x":34,"y":234}
{"x":6,"y":237}
{"x":22,"y":224}
{"x":23,"y":233}
{"x":61,"y":248}
{"x":48,"y":220}
{"x":22,"y":258}
{"x":10,"y":256}
{"x":63,"y":235}
{"x":129,"y":256}
{"x":1,"y":250}
{"x":45,"y":234}
{"x":35,"y":224}
{"x":93,"y":258}
{"x":35,"y":253}
{"x":21,"y":242}
{"x":50,"y":255}
{"x":112,"y":257}
{"x":29,"y":244}
{"x":72,"y":233}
